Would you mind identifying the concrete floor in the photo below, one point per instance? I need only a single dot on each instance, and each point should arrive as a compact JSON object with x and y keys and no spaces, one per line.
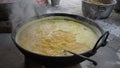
{"x":10,"y":56}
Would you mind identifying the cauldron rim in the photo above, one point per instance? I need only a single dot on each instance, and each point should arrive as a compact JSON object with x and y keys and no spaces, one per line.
{"x":57,"y":14}
{"x":36,"y":56}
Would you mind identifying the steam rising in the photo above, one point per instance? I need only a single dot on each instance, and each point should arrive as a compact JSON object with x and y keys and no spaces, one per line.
{"x":24,"y":10}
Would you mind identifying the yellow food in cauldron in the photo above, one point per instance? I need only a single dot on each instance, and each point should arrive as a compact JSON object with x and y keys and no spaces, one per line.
{"x":51,"y":36}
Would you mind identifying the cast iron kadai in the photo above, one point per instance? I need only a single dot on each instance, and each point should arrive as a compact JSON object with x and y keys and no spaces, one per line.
{"x":64,"y":60}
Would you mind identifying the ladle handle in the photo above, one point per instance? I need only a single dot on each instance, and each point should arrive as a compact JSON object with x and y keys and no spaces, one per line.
{"x":102,"y":41}
{"x":84,"y":57}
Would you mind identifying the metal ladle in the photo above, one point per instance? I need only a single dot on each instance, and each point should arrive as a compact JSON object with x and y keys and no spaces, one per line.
{"x":81,"y":56}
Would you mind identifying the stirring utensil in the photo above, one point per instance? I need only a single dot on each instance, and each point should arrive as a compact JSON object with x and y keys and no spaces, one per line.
{"x":81,"y":56}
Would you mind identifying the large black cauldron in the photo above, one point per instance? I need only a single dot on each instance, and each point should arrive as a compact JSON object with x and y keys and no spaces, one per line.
{"x":65,"y":60}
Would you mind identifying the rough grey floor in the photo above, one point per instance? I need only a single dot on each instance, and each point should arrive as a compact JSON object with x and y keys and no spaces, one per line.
{"x":10,"y":57}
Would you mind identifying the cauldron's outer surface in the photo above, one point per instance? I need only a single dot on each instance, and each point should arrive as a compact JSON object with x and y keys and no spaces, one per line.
{"x":61,"y":60}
